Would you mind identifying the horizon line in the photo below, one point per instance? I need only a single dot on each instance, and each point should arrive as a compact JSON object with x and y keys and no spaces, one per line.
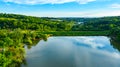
{"x":62,"y":16}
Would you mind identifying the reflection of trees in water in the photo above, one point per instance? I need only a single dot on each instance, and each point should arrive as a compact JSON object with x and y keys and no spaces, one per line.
{"x":34,"y":43}
{"x":115,"y":43}
{"x":14,"y":56}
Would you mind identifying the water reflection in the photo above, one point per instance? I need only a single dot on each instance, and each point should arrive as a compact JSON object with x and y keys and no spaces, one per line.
{"x":115,"y":43}
{"x":74,"y":52}
{"x":87,"y":51}
{"x":14,"y":56}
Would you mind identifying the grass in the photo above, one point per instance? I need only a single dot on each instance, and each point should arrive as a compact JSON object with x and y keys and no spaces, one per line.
{"x":78,"y":33}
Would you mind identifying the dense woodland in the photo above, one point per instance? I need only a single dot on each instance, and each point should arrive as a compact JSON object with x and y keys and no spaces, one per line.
{"x":12,"y":21}
{"x":74,"y":26}
{"x":93,"y":24}
{"x":54,"y":26}
{"x":12,"y":52}
{"x":16,"y":31}
{"x":111,"y":24}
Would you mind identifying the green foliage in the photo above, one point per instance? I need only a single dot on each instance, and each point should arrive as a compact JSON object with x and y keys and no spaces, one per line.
{"x":95,"y":24}
{"x":12,"y":44}
{"x":12,"y":56}
{"x":78,"y":33}
{"x":13,"y":21}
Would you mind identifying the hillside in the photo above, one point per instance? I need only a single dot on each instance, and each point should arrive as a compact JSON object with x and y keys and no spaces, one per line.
{"x":13,"y":21}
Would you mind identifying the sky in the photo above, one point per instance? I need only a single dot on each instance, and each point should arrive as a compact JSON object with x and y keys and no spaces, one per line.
{"x":61,"y":8}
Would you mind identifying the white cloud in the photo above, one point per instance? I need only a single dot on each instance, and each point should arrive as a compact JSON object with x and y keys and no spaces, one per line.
{"x":48,"y":1}
{"x":115,"y":5}
{"x":107,"y":13}
{"x":100,"y":13}
{"x":84,"y":1}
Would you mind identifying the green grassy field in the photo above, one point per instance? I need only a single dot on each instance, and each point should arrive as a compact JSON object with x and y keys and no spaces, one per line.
{"x":78,"y":33}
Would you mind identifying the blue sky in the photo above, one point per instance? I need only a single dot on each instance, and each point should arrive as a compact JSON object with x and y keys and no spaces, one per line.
{"x":62,"y":8}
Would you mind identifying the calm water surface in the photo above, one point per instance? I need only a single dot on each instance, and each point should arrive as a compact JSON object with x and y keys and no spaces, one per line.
{"x":74,"y":51}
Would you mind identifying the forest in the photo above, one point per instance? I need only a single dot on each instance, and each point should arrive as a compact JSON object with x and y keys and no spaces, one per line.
{"x":108,"y":26}
{"x":13,"y":21}
{"x":62,"y":26}
{"x":18,"y":30}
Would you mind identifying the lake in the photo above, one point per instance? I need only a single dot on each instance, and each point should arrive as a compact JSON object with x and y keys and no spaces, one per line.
{"x":73,"y":51}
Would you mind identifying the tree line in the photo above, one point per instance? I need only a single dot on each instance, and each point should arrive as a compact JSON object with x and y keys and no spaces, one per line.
{"x":13,"y":21}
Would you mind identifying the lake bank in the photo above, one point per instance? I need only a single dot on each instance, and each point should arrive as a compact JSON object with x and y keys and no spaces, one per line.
{"x":78,"y":33}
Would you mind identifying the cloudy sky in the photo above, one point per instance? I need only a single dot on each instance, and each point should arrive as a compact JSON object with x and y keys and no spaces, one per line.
{"x":62,"y":8}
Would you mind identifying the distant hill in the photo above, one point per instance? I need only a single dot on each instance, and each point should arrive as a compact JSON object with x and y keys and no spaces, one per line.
{"x":12,"y":21}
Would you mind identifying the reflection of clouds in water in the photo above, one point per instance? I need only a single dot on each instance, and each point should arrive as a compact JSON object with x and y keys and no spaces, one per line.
{"x":93,"y":42}
{"x":86,"y":57}
{"x":65,"y":44}
{"x":53,"y":45}
{"x":96,"y":42}
{"x":64,"y":48}
{"x":90,"y":41}
{"x":116,"y":55}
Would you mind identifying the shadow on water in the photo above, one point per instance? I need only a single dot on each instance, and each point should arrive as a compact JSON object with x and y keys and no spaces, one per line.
{"x":115,"y":43}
